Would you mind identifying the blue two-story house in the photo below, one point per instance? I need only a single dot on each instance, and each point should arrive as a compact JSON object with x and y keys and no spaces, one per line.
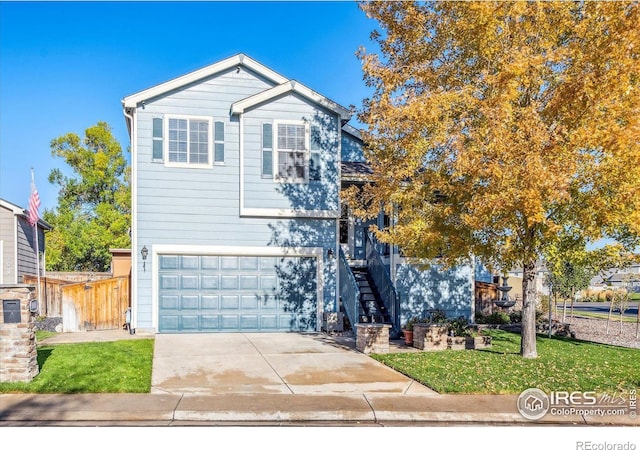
{"x":237,"y":219}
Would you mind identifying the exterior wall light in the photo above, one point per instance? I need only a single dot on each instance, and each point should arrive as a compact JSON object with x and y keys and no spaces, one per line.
{"x":144,"y":252}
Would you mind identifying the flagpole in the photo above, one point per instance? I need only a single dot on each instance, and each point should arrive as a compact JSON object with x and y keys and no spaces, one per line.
{"x":35,"y":230}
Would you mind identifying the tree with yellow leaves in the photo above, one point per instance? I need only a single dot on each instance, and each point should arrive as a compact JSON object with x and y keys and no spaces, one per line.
{"x":494,"y":128}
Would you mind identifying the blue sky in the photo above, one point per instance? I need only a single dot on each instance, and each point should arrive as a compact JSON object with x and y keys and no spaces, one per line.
{"x":64,"y":66}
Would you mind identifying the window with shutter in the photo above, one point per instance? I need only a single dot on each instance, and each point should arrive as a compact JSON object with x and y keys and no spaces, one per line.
{"x":188,"y":141}
{"x":292,"y":144}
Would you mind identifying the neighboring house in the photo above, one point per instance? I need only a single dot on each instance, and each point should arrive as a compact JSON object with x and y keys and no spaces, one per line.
{"x":627,"y":278}
{"x":237,"y":218}
{"x":515,"y":280}
{"x":120,"y":262}
{"x":17,"y":244}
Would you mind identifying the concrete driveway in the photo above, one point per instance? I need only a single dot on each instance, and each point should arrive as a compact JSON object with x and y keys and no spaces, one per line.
{"x":261,"y":363}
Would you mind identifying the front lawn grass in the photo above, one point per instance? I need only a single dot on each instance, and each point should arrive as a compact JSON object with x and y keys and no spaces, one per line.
{"x":562,"y":364}
{"x":121,"y":366}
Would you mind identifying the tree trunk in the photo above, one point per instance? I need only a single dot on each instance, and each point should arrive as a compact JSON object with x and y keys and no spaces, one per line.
{"x":572,"y":300}
{"x":529,"y":296}
{"x":609,"y":316}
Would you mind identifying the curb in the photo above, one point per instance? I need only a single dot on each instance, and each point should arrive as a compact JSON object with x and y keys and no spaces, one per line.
{"x":164,"y":409}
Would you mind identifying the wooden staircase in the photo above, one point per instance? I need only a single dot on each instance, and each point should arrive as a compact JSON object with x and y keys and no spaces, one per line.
{"x":372,"y":309}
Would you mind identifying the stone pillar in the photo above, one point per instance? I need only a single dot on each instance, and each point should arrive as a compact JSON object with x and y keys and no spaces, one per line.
{"x":372,"y":338}
{"x":18,"y":353}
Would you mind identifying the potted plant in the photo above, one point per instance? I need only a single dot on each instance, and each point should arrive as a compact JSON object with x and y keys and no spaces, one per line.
{"x":407,"y":331}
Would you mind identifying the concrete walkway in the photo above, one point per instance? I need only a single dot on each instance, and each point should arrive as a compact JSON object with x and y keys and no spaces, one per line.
{"x":270,"y":379}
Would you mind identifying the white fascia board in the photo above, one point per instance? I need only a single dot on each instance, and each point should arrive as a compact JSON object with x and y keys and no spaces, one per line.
{"x":352,"y":131}
{"x":240,"y":59}
{"x":24,"y":213}
{"x":284,"y":88}
{"x":15,"y":209}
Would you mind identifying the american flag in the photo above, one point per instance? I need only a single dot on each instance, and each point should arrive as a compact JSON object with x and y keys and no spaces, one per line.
{"x":34,"y":203}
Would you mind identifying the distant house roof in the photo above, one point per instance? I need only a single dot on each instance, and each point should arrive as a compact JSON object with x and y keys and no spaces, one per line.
{"x":355,"y":171}
{"x":622,"y":277}
{"x":19,"y":211}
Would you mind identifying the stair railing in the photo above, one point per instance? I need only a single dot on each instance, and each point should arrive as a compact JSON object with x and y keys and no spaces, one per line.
{"x":382,"y":280}
{"x":349,"y":291}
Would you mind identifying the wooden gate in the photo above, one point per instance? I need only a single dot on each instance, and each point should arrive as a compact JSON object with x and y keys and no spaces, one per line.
{"x":97,"y":305}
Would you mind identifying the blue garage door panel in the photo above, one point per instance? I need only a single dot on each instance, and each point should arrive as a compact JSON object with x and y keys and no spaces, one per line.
{"x":208,"y":293}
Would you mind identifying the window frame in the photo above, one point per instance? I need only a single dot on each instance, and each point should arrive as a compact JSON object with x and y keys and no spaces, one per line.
{"x":210,"y":141}
{"x":276,"y":151}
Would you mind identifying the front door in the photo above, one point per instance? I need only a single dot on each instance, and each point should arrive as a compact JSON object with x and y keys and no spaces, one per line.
{"x":351,"y":234}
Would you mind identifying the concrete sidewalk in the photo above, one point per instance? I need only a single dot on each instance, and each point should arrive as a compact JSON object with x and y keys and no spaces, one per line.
{"x":275,"y":409}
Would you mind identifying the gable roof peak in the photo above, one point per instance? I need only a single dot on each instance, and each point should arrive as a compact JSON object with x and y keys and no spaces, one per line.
{"x":286,"y":87}
{"x":239,"y":59}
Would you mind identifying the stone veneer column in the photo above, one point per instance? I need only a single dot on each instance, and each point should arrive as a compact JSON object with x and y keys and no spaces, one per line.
{"x":372,"y":338}
{"x":18,"y":353}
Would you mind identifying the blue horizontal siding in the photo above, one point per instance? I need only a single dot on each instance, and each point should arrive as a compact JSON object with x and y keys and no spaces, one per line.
{"x":422,"y":290}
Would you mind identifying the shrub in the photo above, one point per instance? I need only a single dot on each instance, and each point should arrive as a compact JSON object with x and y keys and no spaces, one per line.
{"x":459,"y":326}
{"x":499,"y":318}
{"x":515,"y":316}
{"x":437,"y":316}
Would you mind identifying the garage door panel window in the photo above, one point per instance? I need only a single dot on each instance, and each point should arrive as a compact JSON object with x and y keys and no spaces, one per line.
{"x":169,"y":282}
{"x":169,"y":262}
{"x":230,"y":302}
{"x":210,"y":282}
{"x":229,"y":282}
{"x":189,"y":281}
{"x":210,"y":302}
{"x":210,"y":323}
{"x":190,"y":302}
{"x":229,"y":262}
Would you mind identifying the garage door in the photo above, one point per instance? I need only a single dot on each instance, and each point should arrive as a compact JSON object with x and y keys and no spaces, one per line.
{"x":209,"y":293}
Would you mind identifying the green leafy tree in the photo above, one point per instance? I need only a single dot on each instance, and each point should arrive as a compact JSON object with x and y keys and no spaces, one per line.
{"x":93,"y":212}
{"x":494,"y":127}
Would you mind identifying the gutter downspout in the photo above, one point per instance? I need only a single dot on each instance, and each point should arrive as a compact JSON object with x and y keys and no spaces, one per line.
{"x":134,"y":233}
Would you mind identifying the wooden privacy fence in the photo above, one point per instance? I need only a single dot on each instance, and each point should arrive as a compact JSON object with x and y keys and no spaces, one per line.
{"x":91,"y":305}
{"x":50,"y":295}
